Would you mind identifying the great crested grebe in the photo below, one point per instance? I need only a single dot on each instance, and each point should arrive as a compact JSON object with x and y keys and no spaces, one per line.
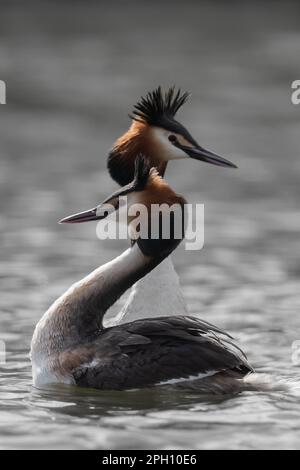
{"x":71,"y":345}
{"x":155,"y":133}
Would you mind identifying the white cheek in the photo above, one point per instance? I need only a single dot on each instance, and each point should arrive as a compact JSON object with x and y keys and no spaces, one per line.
{"x":169,"y":151}
{"x":123,"y":215}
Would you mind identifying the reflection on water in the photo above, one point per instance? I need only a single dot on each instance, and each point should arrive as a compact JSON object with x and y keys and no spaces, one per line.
{"x":70,"y":87}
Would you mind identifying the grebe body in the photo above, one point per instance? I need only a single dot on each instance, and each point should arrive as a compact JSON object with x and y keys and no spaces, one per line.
{"x":71,"y":345}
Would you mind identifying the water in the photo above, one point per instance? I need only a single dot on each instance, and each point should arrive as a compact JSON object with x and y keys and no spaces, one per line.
{"x":72,"y":73}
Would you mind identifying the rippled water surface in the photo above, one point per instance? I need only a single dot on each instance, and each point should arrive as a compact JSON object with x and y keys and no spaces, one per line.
{"x":72,"y":73}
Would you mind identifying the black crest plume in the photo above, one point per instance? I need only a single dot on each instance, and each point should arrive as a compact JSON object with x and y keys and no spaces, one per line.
{"x":158,"y":105}
{"x":141,"y":172}
{"x":142,"y":169}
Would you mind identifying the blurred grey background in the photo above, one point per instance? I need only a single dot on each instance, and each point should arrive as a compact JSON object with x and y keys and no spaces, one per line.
{"x":73,"y":72}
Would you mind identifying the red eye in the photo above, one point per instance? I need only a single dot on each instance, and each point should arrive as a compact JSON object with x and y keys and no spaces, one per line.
{"x":172,"y":138}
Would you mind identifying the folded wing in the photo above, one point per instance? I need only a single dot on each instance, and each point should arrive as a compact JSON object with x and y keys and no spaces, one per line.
{"x":160,"y":351}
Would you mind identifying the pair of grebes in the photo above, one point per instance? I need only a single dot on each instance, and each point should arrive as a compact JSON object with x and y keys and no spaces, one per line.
{"x":154,"y":342}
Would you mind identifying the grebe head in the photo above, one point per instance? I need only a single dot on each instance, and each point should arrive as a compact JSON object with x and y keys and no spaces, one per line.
{"x":155,"y":133}
{"x":147,"y":192}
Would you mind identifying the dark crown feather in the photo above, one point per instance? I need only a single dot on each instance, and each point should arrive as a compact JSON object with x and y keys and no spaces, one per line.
{"x":157,"y":105}
{"x":142,"y":169}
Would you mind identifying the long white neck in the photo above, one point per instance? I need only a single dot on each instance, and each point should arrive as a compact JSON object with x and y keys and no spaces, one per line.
{"x":78,"y":313}
{"x":157,"y":294}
